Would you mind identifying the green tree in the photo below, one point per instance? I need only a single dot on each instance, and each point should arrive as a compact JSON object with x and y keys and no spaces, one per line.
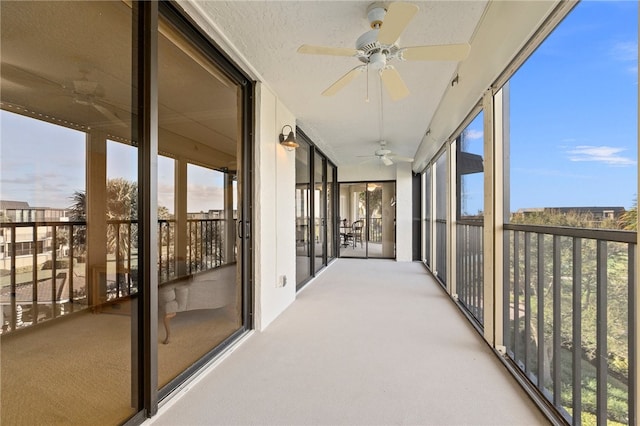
{"x":629,"y":219}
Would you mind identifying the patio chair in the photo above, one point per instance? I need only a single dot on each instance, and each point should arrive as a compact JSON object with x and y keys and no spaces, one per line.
{"x":357,"y":229}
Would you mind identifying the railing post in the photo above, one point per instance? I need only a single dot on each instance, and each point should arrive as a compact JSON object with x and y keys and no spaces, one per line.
{"x":633,"y":354}
{"x":54,"y":270}
{"x":557,"y":322}
{"x":13,"y":279}
{"x":601,"y":333}
{"x":527,"y":301}
{"x":34,"y":288}
{"x":577,"y":332}
{"x":540,"y":314}
{"x":71,"y":265}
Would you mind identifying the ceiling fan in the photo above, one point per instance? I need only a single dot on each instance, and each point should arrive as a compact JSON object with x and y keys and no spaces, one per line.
{"x":378,"y":46}
{"x":82,"y":91}
{"x":386,"y":156}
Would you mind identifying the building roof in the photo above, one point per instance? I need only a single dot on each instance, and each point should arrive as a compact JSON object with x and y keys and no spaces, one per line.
{"x":11,"y":205}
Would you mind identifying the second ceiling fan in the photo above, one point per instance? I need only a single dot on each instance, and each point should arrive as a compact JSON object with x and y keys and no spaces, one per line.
{"x":377,"y":47}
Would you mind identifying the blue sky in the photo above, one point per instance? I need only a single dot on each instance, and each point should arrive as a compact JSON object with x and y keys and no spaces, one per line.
{"x":44,"y":164}
{"x":574,"y":110}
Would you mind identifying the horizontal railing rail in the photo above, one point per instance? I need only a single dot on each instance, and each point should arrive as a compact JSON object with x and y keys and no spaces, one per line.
{"x":569,"y":317}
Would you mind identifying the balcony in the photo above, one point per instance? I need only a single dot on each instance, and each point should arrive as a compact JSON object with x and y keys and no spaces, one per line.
{"x":367,"y":342}
{"x":392,"y":329}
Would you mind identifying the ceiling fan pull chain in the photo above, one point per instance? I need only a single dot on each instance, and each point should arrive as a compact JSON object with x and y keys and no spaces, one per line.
{"x":367,"y":100}
{"x":381,"y":115}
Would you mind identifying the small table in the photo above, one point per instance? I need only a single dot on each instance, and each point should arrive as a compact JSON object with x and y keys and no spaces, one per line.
{"x":344,"y":234}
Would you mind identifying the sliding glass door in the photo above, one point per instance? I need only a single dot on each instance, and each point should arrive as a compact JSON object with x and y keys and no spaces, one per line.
{"x":106,"y":309}
{"x":303,"y":212}
{"x":367,"y":219}
{"x":315,"y":205}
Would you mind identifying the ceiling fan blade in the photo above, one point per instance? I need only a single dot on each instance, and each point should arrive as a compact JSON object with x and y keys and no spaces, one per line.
{"x":395,"y":21}
{"x":322,"y":50}
{"x":447,"y":52}
{"x":343,"y":81}
{"x":386,"y":160}
{"x":394,"y":83}
{"x":110,"y":115}
{"x":25,"y":77}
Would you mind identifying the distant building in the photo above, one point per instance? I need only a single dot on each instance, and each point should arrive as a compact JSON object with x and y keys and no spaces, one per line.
{"x":21,"y":211}
{"x":598,"y":213}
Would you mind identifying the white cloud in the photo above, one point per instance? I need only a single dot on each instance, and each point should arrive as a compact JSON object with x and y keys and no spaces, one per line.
{"x":473,"y":134}
{"x":601,"y":154}
{"x":626,"y":51}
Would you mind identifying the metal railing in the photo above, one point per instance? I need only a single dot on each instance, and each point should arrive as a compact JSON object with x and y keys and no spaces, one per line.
{"x":569,"y":318}
{"x":41,"y":283}
{"x":375,"y":229}
{"x":45,"y":276}
{"x":469,"y":267}
{"x":441,"y":250}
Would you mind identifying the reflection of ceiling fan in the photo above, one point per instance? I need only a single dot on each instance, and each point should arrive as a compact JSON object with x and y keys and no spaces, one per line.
{"x":82,"y":91}
{"x":386,"y":156}
{"x":89,"y":93}
{"x":377,"y":47}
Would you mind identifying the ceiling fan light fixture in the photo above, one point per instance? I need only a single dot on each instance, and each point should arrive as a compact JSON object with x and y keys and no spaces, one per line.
{"x":378,"y":61}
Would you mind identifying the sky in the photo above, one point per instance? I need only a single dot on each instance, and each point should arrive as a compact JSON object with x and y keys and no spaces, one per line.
{"x":573,"y":115}
{"x":573,"y":134}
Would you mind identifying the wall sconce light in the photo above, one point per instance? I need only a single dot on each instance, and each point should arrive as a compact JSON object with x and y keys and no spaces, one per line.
{"x":290,"y":141}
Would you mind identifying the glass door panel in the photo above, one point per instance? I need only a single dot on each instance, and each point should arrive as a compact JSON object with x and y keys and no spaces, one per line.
{"x":199,"y":295}
{"x":69,"y":238}
{"x":320,"y":211}
{"x":331,"y":252}
{"x":353,"y":217}
{"x":303,"y":212}
{"x":381,"y":219}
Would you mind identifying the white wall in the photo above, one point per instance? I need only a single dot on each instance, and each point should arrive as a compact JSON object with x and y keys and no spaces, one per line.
{"x":404,"y":215}
{"x":274,"y":211}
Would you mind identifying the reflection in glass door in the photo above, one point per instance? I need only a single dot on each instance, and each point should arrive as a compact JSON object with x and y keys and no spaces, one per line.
{"x":68,"y":239}
{"x":367,"y":219}
{"x":200,"y":258}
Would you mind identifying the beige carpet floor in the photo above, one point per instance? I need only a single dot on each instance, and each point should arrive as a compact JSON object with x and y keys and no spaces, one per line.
{"x":368,"y":342}
{"x":78,"y":371}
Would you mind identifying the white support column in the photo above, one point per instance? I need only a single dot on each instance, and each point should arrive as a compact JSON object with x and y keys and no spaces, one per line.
{"x":180,"y":208}
{"x":229,"y":223}
{"x":432,"y":251}
{"x":491,"y":285}
{"x":96,"y":207}
{"x":452,"y":219}
{"x":495,"y":139}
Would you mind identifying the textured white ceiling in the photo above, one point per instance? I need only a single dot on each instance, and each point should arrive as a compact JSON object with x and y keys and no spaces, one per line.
{"x":268,"y":33}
